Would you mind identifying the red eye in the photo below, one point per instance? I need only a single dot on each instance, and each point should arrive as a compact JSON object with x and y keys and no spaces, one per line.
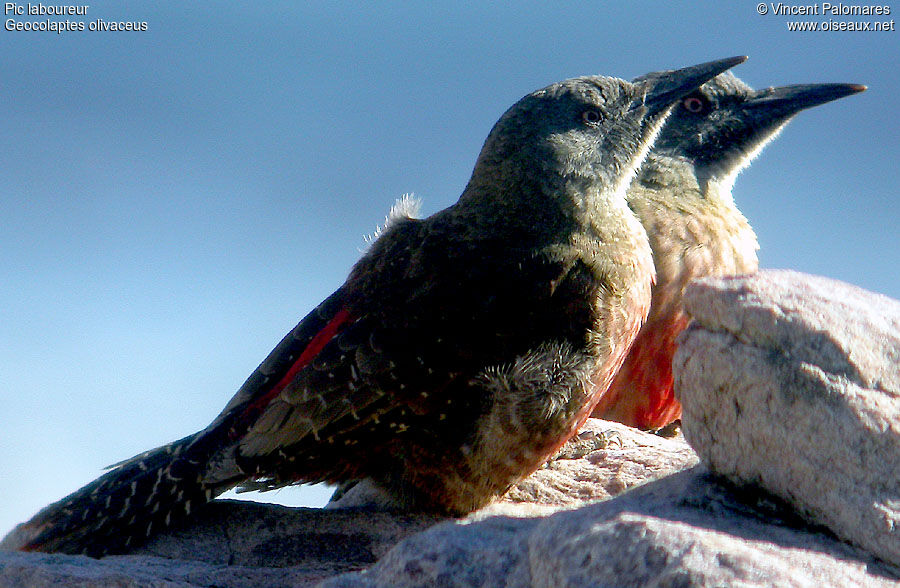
{"x":693,"y":104}
{"x":591,"y":117}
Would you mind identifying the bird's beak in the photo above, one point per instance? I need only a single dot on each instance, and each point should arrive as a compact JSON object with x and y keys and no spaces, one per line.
{"x":785,"y":101}
{"x":662,"y":88}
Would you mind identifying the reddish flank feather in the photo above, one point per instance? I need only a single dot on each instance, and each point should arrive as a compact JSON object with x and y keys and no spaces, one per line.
{"x":642,"y":394}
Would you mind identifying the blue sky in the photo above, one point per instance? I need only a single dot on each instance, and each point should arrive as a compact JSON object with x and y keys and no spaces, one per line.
{"x":175,"y":200}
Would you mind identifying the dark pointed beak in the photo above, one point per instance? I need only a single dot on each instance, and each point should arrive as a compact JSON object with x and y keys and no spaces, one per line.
{"x":786,"y":101}
{"x":662,"y":88}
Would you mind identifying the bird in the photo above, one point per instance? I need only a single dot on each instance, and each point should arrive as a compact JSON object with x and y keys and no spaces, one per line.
{"x":682,"y":196}
{"x":462,"y":350}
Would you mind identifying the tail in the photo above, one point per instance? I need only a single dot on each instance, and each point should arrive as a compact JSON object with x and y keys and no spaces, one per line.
{"x":116,"y":512}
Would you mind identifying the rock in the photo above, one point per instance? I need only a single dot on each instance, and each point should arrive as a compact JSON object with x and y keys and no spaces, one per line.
{"x":40,"y":570}
{"x":231,"y":543}
{"x":604,"y":460}
{"x":233,"y":532}
{"x":628,"y":459}
{"x":792,"y":382}
{"x":683,"y":530}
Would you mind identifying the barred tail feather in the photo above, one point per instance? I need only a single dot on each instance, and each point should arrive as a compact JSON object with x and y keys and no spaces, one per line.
{"x":121,"y":509}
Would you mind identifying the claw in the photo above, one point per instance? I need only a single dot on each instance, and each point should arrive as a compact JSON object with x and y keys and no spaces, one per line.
{"x":587,"y":442}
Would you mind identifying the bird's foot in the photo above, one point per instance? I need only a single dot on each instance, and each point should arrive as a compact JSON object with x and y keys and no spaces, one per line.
{"x":587,"y":442}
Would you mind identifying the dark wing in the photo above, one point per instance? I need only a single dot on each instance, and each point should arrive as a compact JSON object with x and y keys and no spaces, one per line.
{"x":421,"y":315}
{"x":295,"y":352}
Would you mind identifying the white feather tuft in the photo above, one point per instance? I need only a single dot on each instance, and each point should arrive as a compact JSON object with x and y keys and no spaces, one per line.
{"x":405,"y":208}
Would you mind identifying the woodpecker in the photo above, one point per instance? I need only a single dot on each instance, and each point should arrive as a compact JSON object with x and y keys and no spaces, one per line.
{"x":682,"y":196}
{"x":462,"y":350}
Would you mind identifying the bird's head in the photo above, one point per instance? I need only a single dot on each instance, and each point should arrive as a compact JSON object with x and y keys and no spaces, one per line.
{"x":589,"y":130}
{"x":724,"y":124}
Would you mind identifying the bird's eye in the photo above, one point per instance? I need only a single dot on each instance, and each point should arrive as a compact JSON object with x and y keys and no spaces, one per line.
{"x":693,"y":104}
{"x":591,"y":117}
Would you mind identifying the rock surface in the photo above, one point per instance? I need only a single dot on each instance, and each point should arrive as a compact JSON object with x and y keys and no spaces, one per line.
{"x":44,"y":570}
{"x":683,"y":530}
{"x":232,"y":543}
{"x":790,"y":392}
{"x":233,"y":532}
{"x":792,"y":382}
